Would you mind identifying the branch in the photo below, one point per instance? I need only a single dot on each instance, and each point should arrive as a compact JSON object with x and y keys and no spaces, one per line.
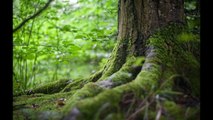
{"x":33,"y":16}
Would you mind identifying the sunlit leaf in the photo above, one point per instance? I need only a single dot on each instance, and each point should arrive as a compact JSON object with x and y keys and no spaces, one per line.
{"x":66,"y":28}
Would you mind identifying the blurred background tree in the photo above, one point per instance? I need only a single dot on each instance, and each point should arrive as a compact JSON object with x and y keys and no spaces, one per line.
{"x":70,"y":39}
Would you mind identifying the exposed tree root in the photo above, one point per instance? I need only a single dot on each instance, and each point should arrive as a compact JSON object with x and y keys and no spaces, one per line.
{"x":112,"y":97}
{"x":150,"y":89}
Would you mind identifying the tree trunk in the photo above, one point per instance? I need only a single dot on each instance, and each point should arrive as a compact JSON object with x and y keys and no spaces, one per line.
{"x":137,"y":20}
{"x":143,"y":65}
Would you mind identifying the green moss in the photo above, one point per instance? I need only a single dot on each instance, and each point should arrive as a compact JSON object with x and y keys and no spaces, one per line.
{"x":178,"y":112}
{"x":180,"y":51}
{"x":48,"y":102}
{"x":101,"y":105}
{"x":29,"y":114}
{"x":89,"y":90}
{"x":89,"y":107}
{"x":148,"y":79}
{"x":52,"y":87}
{"x":37,"y":105}
{"x":117,"y":58}
{"x":95,"y":76}
{"x":165,"y":58}
{"x":77,"y":84}
{"x":128,"y":72}
{"x":187,"y":37}
{"x":49,"y":88}
{"x":174,"y":111}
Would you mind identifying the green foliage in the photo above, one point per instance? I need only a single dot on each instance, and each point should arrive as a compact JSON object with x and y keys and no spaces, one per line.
{"x":190,"y":4}
{"x":187,"y":37}
{"x":66,"y":41}
{"x":62,"y":49}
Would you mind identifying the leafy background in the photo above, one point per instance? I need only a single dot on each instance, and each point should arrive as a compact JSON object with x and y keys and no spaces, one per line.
{"x":70,"y":39}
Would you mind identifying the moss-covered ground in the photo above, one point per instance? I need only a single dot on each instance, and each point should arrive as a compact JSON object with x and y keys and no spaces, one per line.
{"x":162,"y":85}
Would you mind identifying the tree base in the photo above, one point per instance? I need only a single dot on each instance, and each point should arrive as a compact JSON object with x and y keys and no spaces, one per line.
{"x":164,"y":85}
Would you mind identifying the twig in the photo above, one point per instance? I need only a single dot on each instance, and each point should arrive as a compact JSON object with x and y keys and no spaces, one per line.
{"x":32,"y":17}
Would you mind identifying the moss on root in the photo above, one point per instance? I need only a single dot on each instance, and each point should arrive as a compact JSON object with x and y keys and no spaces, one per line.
{"x":89,"y":90}
{"x":128,"y":72}
{"x":49,"y":88}
{"x":117,"y":58}
{"x":79,"y":83}
{"x":147,"y":80}
{"x":135,"y":90}
{"x":52,"y":87}
{"x":112,"y":97}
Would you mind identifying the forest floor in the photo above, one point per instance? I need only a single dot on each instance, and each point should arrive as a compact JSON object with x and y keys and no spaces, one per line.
{"x":167,"y":87}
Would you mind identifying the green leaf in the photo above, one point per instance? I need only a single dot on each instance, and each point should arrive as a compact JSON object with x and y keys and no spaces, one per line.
{"x":50,"y":27}
{"x":30,"y":56}
{"x":66,"y":28}
{"x":79,"y":36}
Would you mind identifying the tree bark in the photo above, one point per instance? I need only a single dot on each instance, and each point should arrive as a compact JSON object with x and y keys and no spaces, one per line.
{"x":137,"y":20}
{"x":147,"y":32}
